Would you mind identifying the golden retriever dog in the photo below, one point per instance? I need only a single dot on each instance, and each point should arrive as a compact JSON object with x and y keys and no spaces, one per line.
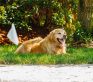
{"x":25,"y":47}
{"x":53,"y":43}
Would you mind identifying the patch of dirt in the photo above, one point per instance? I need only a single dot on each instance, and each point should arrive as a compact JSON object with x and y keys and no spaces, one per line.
{"x":90,"y":45}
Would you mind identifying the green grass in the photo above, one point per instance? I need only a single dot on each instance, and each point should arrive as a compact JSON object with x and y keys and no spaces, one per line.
{"x":73,"y":56}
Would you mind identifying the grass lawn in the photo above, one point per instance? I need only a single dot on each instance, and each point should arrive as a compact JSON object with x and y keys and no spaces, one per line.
{"x":73,"y":56}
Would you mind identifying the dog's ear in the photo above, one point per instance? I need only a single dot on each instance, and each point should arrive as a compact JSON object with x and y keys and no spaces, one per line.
{"x":50,"y":36}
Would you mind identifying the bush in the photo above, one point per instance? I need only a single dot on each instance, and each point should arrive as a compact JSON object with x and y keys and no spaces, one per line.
{"x":44,"y":15}
{"x":2,"y":14}
{"x":40,"y":14}
{"x":82,"y":36}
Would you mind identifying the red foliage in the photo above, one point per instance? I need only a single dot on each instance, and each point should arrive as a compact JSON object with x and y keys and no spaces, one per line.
{"x":23,"y":36}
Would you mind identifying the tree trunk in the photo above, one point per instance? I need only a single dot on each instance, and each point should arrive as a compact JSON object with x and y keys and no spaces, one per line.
{"x":85,"y":13}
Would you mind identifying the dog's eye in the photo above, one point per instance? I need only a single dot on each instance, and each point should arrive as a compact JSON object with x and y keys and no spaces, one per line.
{"x":59,"y":33}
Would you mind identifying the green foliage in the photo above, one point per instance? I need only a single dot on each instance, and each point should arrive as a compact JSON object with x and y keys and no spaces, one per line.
{"x":58,"y":18}
{"x":44,"y":14}
{"x":40,"y":13}
{"x":2,"y":14}
{"x":82,"y":36}
{"x":16,"y":13}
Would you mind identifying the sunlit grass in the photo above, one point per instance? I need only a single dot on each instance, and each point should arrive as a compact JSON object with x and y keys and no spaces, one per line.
{"x":73,"y":56}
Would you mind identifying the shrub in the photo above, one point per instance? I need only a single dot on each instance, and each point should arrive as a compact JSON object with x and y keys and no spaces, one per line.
{"x":41,"y":14}
{"x":2,"y":14}
{"x":82,"y":36}
{"x":44,"y":15}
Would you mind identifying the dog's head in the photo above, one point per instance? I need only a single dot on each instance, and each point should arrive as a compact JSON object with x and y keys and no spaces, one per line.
{"x":58,"y":36}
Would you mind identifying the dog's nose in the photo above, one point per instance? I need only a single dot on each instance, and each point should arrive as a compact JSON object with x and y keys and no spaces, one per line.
{"x":64,"y":36}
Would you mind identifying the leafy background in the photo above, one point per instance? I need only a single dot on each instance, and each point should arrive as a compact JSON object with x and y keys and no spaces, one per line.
{"x":38,"y":17}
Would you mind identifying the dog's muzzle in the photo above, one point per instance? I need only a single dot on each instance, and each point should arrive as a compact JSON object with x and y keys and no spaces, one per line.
{"x":60,"y":40}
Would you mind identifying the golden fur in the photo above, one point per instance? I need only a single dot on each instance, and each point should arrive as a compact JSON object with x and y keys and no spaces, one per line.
{"x":54,"y":43}
{"x":25,"y":47}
